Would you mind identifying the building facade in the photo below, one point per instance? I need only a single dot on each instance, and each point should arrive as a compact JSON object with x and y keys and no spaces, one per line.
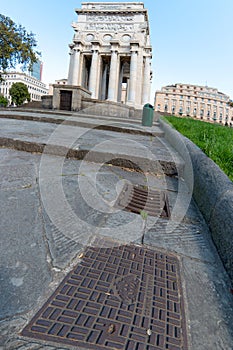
{"x":35,"y":87}
{"x":200,"y":102}
{"x":111,"y":54}
{"x":37,"y":69}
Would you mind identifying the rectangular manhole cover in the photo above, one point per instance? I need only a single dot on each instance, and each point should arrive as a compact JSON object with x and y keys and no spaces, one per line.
{"x":141,"y":198}
{"x":118,"y":297}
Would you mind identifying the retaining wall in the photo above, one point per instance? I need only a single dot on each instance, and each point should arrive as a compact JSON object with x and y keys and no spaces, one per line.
{"x":212,"y":191}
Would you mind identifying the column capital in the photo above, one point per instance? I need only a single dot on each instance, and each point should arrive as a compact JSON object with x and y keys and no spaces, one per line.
{"x":134,"y":46}
{"x":75,"y":48}
{"x":114,"y":45}
{"x":95,"y":46}
{"x":148,"y":49}
{"x":78,"y":41}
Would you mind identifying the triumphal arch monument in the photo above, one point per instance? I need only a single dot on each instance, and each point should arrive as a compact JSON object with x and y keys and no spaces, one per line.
{"x":110,"y":55}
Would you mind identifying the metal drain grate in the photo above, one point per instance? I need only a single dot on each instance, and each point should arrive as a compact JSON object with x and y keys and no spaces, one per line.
{"x":119,"y":297}
{"x":139,"y":198}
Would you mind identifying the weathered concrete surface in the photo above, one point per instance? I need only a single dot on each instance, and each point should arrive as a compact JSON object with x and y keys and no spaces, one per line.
{"x":53,"y":206}
{"x":212,"y":191}
{"x":129,"y":150}
{"x":86,"y":121}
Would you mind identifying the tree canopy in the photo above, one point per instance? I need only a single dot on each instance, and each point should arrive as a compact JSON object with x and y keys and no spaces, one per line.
{"x":16,"y":45}
{"x":19,"y":93}
{"x":3,"y":101}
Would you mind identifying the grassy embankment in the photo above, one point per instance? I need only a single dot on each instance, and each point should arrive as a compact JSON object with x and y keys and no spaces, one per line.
{"x":216,"y":141}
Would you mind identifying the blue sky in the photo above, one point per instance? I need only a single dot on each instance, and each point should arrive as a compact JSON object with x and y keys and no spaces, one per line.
{"x":191,"y":39}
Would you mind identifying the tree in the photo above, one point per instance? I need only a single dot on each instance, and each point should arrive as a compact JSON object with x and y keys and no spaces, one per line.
{"x":3,"y":101}
{"x":16,"y":45}
{"x":19,"y":93}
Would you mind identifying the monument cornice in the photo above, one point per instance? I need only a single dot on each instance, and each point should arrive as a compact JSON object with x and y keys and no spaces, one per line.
{"x":124,"y":11}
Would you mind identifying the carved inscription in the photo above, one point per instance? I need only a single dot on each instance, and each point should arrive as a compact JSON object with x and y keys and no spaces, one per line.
{"x":110,"y":27}
{"x":109,"y":18}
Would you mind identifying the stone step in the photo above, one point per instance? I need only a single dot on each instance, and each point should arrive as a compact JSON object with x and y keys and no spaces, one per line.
{"x":136,"y":151}
{"x":102,"y":123}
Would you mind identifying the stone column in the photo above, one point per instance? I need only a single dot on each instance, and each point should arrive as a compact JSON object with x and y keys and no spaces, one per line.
{"x":120,"y":84}
{"x":113,"y":73}
{"x":146,"y":80}
{"x":104,"y":82}
{"x":94,"y":70}
{"x":73,"y":78}
{"x":70,"y":74}
{"x":76,"y":62}
{"x":133,"y":73}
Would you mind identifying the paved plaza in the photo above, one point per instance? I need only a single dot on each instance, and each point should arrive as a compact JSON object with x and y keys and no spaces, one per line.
{"x":61,"y":174}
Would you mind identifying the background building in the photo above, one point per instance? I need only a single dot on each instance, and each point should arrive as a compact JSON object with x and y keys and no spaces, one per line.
{"x":58,"y":82}
{"x":36,"y":88}
{"x":37,"y":68}
{"x":195,"y":101}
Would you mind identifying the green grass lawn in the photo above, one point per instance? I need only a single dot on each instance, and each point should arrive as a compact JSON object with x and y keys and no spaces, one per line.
{"x":216,"y":141}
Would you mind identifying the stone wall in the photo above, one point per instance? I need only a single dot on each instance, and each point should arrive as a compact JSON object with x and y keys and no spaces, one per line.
{"x":105,"y":108}
{"x":81,"y":102}
{"x":212,"y":191}
{"x":47,"y":101}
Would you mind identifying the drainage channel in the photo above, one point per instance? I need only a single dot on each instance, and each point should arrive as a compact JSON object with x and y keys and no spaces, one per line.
{"x":135,"y":198}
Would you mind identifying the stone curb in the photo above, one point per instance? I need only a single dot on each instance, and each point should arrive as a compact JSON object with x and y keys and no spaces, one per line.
{"x":212,"y":191}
